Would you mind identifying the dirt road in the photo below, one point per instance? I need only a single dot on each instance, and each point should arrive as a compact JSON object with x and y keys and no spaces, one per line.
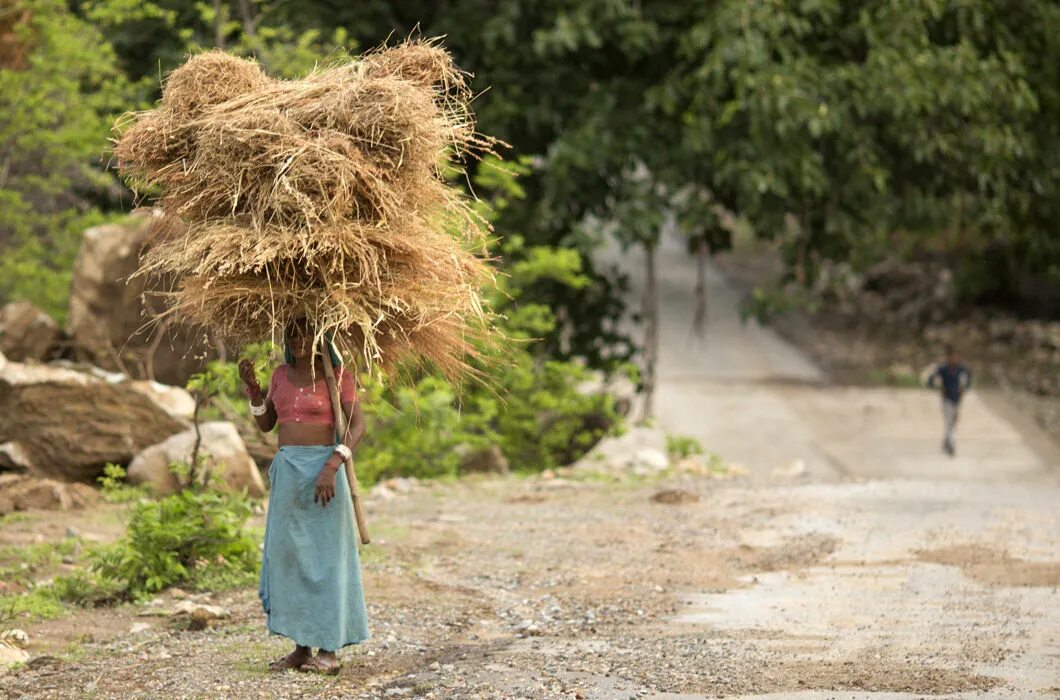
{"x":886,"y":570}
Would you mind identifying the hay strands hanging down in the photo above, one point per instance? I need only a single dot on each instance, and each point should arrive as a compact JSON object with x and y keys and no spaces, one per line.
{"x":323,"y":198}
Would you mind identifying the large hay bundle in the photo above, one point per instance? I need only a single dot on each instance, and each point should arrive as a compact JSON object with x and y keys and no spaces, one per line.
{"x":320,"y":197}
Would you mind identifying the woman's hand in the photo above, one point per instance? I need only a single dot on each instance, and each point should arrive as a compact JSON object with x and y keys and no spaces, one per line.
{"x":250,"y":379}
{"x":325,"y":486}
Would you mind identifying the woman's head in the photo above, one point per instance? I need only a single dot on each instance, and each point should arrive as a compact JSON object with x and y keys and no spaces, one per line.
{"x":298,"y":337}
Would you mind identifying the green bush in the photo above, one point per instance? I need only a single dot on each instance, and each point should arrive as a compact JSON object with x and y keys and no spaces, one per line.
{"x":115,"y":488}
{"x":414,"y":431}
{"x":195,"y":538}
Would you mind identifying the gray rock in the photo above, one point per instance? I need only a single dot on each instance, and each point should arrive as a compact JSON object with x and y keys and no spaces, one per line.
{"x":68,"y":424}
{"x":27,"y":333}
{"x":107,"y":316}
{"x":222,"y":447}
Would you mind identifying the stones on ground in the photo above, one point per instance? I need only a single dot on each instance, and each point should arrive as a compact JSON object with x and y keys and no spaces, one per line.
{"x":795,"y":469}
{"x":14,"y":638}
{"x":27,"y":333}
{"x":641,"y":450}
{"x":22,"y":492}
{"x":198,"y":615}
{"x":107,"y":313}
{"x":10,"y":655}
{"x":139,"y":628}
{"x":675,"y":497}
{"x":392,"y":488}
{"x":220,"y":445}
{"x":68,"y":424}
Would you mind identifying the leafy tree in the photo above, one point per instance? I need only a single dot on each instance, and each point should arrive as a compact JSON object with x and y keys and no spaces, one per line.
{"x":58,"y":95}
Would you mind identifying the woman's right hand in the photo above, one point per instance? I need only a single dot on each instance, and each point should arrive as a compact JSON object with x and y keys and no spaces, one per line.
{"x":250,"y":379}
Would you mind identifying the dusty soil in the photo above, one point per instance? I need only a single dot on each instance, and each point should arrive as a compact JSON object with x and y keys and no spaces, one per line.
{"x":578,"y":586}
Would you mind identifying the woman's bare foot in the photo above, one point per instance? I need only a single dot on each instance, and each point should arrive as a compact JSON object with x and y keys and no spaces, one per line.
{"x":293,"y":660}
{"x":325,"y":662}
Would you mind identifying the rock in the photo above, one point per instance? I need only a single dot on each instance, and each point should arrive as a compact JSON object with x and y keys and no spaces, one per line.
{"x":221,"y":445}
{"x":68,"y":424}
{"x":13,"y":457}
{"x":199,"y":615}
{"x":107,"y":313}
{"x":139,"y":627}
{"x":640,"y":450}
{"x":14,"y":638}
{"x":649,"y":459}
{"x":402,"y":484}
{"x":174,"y":400}
{"x":209,"y":612}
{"x":27,"y":333}
{"x":674,"y":497}
{"x":9,"y":656}
{"x":489,"y":460}
{"x":796,"y":469}
{"x":20,"y":492}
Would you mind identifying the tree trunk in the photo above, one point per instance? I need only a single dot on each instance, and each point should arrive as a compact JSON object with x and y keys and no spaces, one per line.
{"x":699,"y":320}
{"x":651,"y":330}
{"x":218,"y":25}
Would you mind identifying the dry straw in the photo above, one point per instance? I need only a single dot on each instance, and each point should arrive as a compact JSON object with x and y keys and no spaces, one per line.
{"x":322,"y":197}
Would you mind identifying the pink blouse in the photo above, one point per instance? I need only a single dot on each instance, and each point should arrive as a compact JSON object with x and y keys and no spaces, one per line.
{"x":308,"y":404}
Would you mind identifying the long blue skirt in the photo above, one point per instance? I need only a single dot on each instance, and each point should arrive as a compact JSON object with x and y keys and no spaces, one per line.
{"x":310,"y":572}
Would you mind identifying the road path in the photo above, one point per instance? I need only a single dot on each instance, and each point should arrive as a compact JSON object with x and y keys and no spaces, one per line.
{"x":935,"y":556}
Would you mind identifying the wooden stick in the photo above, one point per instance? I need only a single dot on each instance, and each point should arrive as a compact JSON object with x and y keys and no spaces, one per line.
{"x":340,"y":425}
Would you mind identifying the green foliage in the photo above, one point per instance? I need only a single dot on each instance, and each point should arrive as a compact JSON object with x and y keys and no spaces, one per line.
{"x":57,"y":104}
{"x":681,"y":446}
{"x":22,"y":563}
{"x":764,"y":304}
{"x":412,"y":431}
{"x":115,"y":488}
{"x":195,"y":538}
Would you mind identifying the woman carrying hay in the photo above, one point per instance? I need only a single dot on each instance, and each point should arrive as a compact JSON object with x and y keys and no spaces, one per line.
{"x":310,"y":572}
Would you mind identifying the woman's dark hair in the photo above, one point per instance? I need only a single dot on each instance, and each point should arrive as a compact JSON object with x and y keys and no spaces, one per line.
{"x":302,"y":324}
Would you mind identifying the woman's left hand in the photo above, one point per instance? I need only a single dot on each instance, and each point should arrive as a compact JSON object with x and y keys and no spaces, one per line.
{"x":325,"y":486}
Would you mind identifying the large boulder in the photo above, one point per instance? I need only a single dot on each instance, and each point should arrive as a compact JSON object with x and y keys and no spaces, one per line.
{"x":222,"y":448}
{"x":27,"y":333}
{"x":107,"y":320}
{"x":63,"y":424}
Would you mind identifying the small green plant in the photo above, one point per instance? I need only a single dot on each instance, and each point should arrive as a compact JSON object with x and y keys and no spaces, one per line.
{"x":682,"y":446}
{"x":115,"y":488}
{"x":196,"y":538}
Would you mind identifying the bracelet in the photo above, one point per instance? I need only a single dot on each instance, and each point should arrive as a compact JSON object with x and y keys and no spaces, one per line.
{"x":347,"y":455}
{"x":258,"y":410}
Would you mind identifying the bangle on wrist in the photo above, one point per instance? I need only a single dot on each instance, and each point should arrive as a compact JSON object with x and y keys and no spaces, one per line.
{"x":344,"y":453}
{"x":258,"y":410}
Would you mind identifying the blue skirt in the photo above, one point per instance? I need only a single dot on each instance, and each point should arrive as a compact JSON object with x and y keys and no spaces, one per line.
{"x":310,"y":571}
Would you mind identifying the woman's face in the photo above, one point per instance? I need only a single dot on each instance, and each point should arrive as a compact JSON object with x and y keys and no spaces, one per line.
{"x":300,"y":341}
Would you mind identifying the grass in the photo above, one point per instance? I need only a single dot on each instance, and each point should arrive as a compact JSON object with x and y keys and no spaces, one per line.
{"x":23,"y":563}
{"x":36,"y":604}
{"x":12,"y":518}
